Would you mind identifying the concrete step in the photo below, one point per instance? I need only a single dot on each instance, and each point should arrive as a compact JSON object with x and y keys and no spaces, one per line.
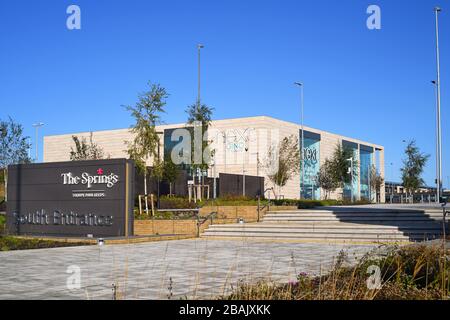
{"x":322,"y":229}
{"x":275,"y":236}
{"x":399,"y":236}
{"x":342,"y":225}
{"x":309,"y":224}
{"x":356,"y":224}
{"x":323,"y":213}
{"x":359,"y":211}
{"x":350,"y":214}
{"x":355,"y":213}
{"x":349,"y":218}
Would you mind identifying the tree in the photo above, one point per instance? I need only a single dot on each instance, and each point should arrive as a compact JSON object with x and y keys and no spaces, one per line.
{"x":170,"y":172}
{"x":200,"y":114}
{"x":340,"y":166}
{"x":413,"y":166}
{"x":145,"y":145}
{"x":376,"y":181}
{"x":325,"y":178}
{"x":13,"y":147}
{"x":283,"y":161}
{"x":84,"y":150}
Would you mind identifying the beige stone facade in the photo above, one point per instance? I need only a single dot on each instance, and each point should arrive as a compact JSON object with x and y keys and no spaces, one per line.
{"x":240,"y":145}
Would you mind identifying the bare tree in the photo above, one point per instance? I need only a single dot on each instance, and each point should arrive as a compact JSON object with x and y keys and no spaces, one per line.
{"x":376,"y":181}
{"x":13,"y":147}
{"x":86,"y":150}
{"x":283,"y":161}
{"x":325,"y":178}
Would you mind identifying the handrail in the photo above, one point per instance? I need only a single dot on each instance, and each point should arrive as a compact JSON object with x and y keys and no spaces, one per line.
{"x":206,"y":218}
{"x":444,"y":224}
{"x":178,"y":210}
{"x":200,"y":223}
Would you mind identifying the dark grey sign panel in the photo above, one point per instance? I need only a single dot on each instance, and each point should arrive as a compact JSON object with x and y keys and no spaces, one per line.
{"x":76,"y":199}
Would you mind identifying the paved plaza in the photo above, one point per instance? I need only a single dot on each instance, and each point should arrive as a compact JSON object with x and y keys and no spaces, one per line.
{"x":196,"y":268}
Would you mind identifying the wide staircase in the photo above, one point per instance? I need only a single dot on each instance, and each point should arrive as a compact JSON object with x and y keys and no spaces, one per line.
{"x":338,"y":225}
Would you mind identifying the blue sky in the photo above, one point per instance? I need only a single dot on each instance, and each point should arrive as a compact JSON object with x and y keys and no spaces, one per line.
{"x":368,"y":84}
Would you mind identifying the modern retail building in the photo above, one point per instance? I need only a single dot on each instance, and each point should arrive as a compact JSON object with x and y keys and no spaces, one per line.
{"x":241,"y":146}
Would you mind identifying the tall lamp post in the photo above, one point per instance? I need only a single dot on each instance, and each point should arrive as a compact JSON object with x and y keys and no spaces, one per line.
{"x":351,"y":175}
{"x":245,"y":137}
{"x":438,"y":112}
{"x":300,"y":84}
{"x":434,"y":82}
{"x":199,"y":47}
{"x":200,"y":177}
{"x":158,"y":202}
{"x":392,"y":181}
{"x":37,"y":126}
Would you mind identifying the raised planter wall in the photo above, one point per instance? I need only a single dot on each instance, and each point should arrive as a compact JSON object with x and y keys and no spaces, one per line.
{"x":226,"y":215}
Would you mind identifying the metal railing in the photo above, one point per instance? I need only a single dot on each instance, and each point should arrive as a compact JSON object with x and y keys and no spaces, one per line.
{"x":202,"y":220}
{"x":444,"y":223}
{"x":414,"y":198}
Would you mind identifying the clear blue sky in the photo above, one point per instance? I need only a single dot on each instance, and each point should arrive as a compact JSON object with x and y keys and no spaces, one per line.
{"x":372,"y":85}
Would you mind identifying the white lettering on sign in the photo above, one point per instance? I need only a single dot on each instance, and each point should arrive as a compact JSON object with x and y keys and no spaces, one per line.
{"x":87,"y":179}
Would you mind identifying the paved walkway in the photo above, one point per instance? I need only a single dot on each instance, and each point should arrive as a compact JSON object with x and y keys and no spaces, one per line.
{"x":185,"y":268}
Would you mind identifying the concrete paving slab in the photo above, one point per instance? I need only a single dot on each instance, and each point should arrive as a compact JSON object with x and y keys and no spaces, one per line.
{"x":199,"y":268}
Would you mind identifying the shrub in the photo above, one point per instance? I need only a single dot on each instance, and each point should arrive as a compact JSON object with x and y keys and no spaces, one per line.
{"x":413,"y":272}
{"x":8,"y":243}
{"x":2,"y":224}
{"x":176,"y":203}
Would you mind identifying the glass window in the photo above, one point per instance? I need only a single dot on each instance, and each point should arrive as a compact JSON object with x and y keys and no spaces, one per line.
{"x":365,"y":160}
{"x":311,"y":162}
{"x":351,"y":188}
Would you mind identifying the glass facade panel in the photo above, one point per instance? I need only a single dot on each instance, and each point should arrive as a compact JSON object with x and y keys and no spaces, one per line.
{"x":351,"y":189}
{"x":365,"y":167}
{"x":311,"y":162}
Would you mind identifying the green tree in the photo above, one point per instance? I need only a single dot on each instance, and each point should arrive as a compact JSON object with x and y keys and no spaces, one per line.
{"x":200,"y":114}
{"x":85,"y":150}
{"x":325,"y":178}
{"x":413,"y":165}
{"x":14,"y":147}
{"x":170,"y":172}
{"x":340,"y":165}
{"x":145,"y":145}
{"x":283,"y":161}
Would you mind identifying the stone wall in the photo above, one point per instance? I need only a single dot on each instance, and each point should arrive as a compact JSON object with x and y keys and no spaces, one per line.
{"x":226,"y":214}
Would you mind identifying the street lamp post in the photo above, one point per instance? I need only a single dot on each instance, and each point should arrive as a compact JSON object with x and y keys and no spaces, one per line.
{"x":257,"y":162}
{"x":243,"y":171}
{"x":37,"y":126}
{"x":392,"y":181}
{"x":438,"y":110}
{"x":214,"y":176}
{"x":158,"y":202}
{"x":199,"y":47}
{"x":224,"y":135}
{"x":351,"y":176}
{"x":434,"y":82}
{"x":300,"y":84}
{"x":245,"y":137}
{"x":200,"y":178}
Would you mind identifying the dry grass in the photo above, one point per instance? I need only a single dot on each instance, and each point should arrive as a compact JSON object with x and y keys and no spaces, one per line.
{"x":408,"y":273}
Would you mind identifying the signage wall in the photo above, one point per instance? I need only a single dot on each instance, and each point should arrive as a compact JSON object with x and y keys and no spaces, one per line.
{"x":79,"y":198}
